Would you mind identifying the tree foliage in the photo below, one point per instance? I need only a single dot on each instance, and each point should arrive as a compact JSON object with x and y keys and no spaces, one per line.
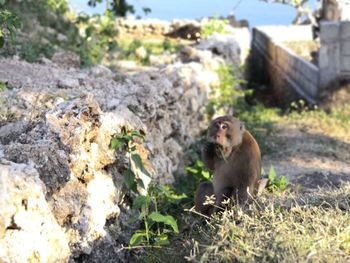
{"x":118,"y":7}
{"x":8,"y":24}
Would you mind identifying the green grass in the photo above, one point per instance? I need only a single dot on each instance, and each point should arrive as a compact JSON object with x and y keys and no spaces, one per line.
{"x":276,"y":228}
{"x":128,"y":49}
{"x":214,"y":25}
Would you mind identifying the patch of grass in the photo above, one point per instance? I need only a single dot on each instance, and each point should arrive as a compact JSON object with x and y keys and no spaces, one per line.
{"x":3,"y":86}
{"x":32,"y":51}
{"x":214,"y":25}
{"x":276,"y":228}
{"x":227,"y":95}
{"x":260,"y":121}
{"x":129,"y":48}
{"x":299,"y":228}
{"x":335,"y":123}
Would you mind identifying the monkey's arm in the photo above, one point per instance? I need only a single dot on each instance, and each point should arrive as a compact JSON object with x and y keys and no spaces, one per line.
{"x":208,"y":155}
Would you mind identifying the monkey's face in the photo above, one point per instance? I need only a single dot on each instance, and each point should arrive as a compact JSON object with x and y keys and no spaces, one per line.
{"x":227,"y":133}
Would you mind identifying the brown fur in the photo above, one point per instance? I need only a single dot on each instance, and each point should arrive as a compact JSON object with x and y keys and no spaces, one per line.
{"x":236,"y":167}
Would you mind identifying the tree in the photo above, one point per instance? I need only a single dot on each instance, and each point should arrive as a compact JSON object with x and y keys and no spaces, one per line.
{"x":302,"y":8}
{"x":118,"y":7}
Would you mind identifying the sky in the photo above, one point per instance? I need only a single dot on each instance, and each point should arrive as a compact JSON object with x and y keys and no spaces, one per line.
{"x":256,"y":11}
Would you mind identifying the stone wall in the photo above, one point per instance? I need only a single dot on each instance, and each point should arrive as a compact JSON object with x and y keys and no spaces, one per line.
{"x":278,"y":66}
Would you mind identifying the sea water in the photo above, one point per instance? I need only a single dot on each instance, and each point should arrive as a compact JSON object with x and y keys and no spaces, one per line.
{"x":257,"y":12}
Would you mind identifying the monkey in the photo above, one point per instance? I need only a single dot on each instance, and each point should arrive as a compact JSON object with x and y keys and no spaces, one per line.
{"x":233,"y":155}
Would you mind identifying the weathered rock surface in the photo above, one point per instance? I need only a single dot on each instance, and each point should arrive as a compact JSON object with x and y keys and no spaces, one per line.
{"x":29,"y":231}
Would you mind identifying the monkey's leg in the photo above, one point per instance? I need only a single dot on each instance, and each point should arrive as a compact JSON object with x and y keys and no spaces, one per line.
{"x":245,"y":194}
{"x":222,"y":195}
{"x":204,"y":189}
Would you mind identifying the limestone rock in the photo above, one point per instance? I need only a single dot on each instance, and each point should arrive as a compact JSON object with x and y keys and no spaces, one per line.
{"x":28,"y":230}
{"x":232,"y":47}
{"x":68,"y":83}
{"x":66,"y":59}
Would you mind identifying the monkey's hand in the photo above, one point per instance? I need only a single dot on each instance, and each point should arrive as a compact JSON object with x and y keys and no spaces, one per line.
{"x":209,"y":154}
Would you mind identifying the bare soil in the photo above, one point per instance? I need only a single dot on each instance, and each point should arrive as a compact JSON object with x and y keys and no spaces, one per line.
{"x":310,"y":154}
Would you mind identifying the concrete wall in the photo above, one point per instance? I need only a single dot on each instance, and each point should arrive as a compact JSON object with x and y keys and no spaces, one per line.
{"x":284,"y":71}
{"x":334,"y":55}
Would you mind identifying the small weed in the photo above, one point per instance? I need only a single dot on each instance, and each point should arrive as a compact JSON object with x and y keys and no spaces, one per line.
{"x":276,"y":183}
{"x":154,"y":206}
{"x":125,"y":141}
{"x":157,"y":225}
{"x":3,"y":86}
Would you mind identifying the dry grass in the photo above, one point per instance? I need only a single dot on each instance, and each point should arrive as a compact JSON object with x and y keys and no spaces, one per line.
{"x":287,"y":228}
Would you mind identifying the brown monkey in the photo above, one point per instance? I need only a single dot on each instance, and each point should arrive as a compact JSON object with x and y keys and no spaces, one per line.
{"x":234,"y":156}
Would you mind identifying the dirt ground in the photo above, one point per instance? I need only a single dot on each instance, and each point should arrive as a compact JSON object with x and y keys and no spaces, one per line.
{"x":313,"y":150}
{"x":305,"y":49}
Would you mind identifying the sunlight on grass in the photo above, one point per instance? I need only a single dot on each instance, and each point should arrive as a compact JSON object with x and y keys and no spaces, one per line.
{"x":287,"y":228}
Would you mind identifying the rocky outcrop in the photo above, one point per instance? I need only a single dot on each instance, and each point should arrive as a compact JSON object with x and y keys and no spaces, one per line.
{"x":56,"y":125}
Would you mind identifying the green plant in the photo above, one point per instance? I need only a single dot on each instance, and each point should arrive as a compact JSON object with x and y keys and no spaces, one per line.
{"x":31,"y":51}
{"x":128,"y":49}
{"x":226,"y":95}
{"x":97,"y":40}
{"x":125,"y":141}
{"x":154,"y":205}
{"x":3,"y":86}
{"x":276,"y":182}
{"x":214,"y":25}
{"x":199,"y":172}
{"x":9,"y":23}
{"x":157,"y":224}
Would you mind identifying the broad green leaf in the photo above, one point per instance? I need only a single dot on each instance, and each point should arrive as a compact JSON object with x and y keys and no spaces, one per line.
{"x":199,"y":163}
{"x":162,"y":240}
{"x":272,"y":174}
{"x":191,"y":170}
{"x":138,"y":134}
{"x":166,"y":219}
{"x":170,"y":193}
{"x":2,"y":2}
{"x":117,"y":143}
{"x":137,"y":238}
{"x":129,"y":180}
{"x":141,"y":201}
{"x":282,"y":182}
{"x":138,"y":162}
{"x":206,"y":175}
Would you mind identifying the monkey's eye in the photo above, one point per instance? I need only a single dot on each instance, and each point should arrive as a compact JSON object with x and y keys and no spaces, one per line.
{"x":224,"y":126}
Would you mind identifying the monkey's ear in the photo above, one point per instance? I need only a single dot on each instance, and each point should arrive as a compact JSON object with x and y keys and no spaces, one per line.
{"x":242,"y":126}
